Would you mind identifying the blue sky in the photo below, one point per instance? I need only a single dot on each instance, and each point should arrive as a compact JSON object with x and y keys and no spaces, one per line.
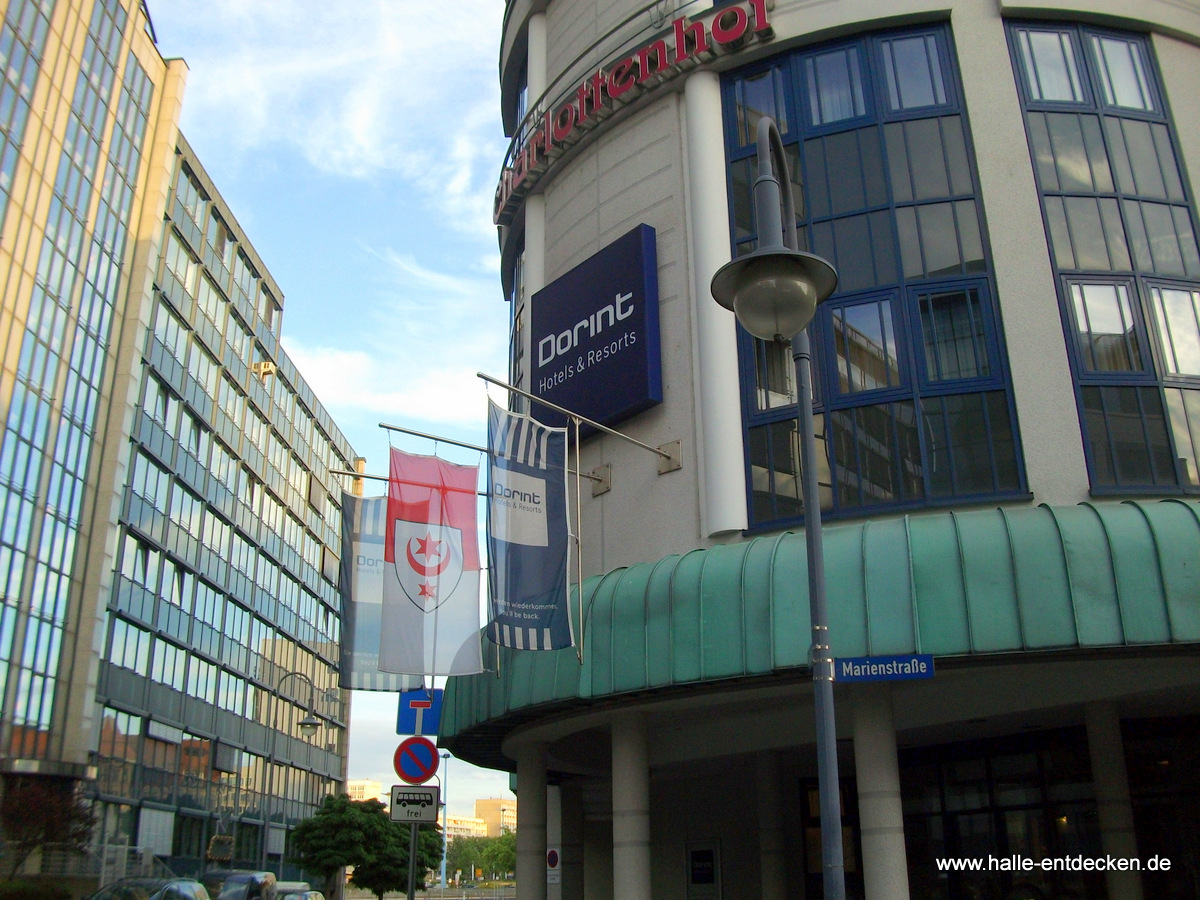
{"x":358,"y":146}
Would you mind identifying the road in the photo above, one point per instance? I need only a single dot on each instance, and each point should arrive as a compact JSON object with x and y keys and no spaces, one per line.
{"x":507,"y":892}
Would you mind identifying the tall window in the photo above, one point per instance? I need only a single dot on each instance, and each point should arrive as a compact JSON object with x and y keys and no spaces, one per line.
{"x":1122,"y":236}
{"x":912,"y":389}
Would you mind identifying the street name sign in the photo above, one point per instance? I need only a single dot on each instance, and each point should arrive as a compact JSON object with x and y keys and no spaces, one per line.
{"x":883,"y":668}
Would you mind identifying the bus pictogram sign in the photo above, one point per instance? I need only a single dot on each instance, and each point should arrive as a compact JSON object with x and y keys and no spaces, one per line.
{"x":413,"y":803}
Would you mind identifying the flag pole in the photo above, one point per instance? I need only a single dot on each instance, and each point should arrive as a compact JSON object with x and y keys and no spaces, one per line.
{"x":433,"y":437}
{"x":444,"y":440}
{"x":570,"y":414}
{"x":578,"y":537}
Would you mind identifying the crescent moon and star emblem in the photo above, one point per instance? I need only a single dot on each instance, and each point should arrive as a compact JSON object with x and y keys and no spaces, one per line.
{"x":428,"y":562}
{"x":432,"y":551}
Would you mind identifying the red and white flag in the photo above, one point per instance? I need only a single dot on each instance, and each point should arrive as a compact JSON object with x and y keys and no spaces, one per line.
{"x":431,"y":569}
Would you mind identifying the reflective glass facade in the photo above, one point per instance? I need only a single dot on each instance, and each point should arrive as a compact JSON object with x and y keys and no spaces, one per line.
{"x":22,"y":41}
{"x":223,"y":620}
{"x":913,"y":398}
{"x":169,"y":532}
{"x":1122,"y":233}
{"x":53,"y":416}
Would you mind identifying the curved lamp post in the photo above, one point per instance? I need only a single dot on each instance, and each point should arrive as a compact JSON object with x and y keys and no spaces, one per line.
{"x":310,"y":723}
{"x":308,"y":727}
{"x":445,"y":812}
{"x":774,"y":292}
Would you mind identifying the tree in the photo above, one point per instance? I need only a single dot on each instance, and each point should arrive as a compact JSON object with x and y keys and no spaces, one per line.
{"x":388,"y":870}
{"x":339,"y":834}
{"x":464,"y":853}
{"x":359,"y":833}
{"x":500,"y":854}
{"x":36,"y":812}
{"x":496,"y":855}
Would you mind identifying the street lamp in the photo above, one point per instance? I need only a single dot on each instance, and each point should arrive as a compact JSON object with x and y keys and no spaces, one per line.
{"x":308,"y":727}
{"x":774,"y":292}
{"x":310,"y":723}
{"x":445,"y":812}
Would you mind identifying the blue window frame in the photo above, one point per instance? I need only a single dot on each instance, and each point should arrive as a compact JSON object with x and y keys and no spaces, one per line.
{"x":1122,"y":236}
{"x":911,"y":386}
{"x":912,"y":68}
{"x":1050,"y":67}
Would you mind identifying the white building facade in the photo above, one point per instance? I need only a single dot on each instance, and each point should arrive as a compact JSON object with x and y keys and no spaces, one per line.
{"x":1008,"y":422}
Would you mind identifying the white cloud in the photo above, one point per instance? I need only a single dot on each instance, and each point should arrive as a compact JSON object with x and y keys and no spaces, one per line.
{"x":351,"y":380}
{"x":391,"y":86}
{"x":428,"y":336}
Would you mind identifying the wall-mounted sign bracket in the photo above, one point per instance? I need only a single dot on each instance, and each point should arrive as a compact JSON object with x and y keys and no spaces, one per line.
{"x":603,"y":482}
{"x":673,"y":461}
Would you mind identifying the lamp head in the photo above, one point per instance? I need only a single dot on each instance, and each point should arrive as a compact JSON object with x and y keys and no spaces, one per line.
{"x":309,"y":725}
{"x":774,"y":291}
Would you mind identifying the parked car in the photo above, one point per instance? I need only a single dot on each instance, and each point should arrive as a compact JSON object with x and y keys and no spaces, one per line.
{"x":152,"y":889}
{"x":296,"y":890}
{"x":239,"y":884}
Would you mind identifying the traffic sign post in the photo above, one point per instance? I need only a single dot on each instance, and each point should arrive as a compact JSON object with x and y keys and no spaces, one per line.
{"x":415,"y":760}
{"x":413,"y":804}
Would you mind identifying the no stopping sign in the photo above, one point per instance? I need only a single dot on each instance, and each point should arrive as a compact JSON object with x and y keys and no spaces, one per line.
{"x":416,"y":760}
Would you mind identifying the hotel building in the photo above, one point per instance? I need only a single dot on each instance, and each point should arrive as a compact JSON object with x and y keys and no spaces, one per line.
{"x":168,"y":549}
{"x":1008,"y":429}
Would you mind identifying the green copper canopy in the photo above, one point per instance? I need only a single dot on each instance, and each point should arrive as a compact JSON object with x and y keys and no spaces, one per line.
{"x":951,"y":583}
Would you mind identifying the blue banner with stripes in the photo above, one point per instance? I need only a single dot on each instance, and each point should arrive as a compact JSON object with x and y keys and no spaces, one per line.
{"x":528,"y":543}
{"x":364,"y":523}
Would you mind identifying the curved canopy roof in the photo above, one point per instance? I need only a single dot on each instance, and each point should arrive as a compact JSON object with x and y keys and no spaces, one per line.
{"x":956,"y":583}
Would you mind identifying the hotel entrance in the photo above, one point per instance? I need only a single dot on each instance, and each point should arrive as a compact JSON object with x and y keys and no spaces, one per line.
{"x":991,"y":807}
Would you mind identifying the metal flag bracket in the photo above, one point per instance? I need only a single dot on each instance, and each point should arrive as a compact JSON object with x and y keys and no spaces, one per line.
{"x":670,"y":454}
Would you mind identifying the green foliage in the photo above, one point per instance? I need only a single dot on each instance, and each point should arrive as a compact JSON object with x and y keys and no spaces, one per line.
{"x":388,"y":871}
{"x":495,"y":856}
{"x":464,"y":852}
{"x":40,"y":811}
{"x":338,"y":835}
{"x":359,"y":833}
{"x":500,"y":855}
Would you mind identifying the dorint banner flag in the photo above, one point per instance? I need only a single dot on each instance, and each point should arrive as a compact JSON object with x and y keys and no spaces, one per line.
{"x":527,"y":533}
{"x":364,"y":524}
{"x":431,"y":569}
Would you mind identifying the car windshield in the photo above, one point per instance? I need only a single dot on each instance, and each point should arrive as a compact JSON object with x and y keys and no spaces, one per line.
{"x":234,"y":890}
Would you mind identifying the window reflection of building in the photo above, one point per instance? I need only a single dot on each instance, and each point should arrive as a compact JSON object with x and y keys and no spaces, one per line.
{"x":1115,"y":203}
{"x":908,"y":363}
{"x":118,"y":753}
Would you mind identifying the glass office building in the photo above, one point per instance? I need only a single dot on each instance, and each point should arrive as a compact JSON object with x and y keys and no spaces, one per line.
{"x":169,"y":540}
{"x":1007,"y":382}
